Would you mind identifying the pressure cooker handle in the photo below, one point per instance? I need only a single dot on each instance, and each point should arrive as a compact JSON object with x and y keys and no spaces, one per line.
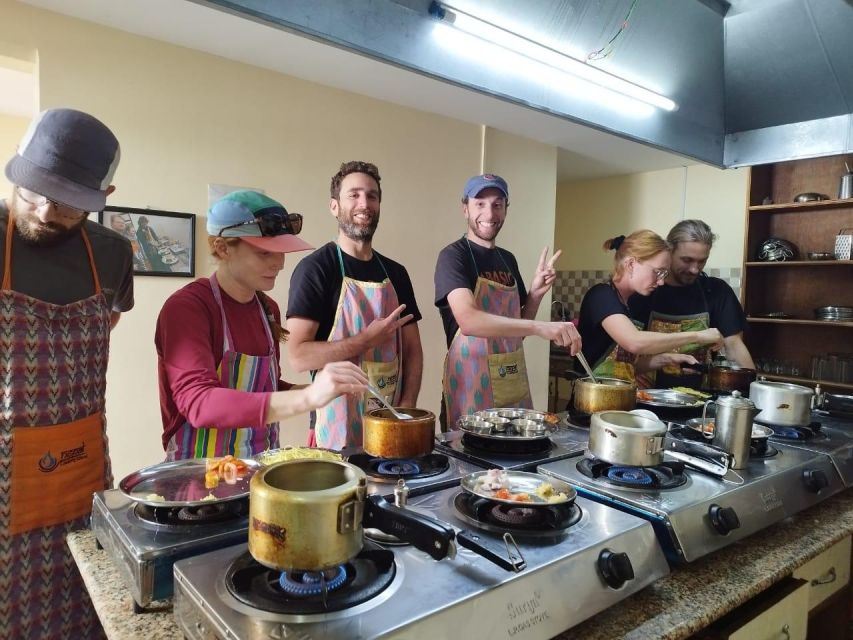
{"x":425,"y":533}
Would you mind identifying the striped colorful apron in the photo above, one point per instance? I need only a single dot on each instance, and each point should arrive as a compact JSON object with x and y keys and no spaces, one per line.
{"x":484,"y":373}
{"x":338,"y":424}
{"x":53,"y":453}
{"x":236,"y":371}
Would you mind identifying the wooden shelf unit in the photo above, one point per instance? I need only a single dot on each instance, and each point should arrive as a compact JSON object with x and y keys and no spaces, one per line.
{"x":800,"y":286}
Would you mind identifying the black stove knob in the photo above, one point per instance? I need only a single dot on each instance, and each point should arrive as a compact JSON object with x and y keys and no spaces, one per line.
{"x":615,"y":568}
{"x":723,"y":519}
{"x":815,"y":480}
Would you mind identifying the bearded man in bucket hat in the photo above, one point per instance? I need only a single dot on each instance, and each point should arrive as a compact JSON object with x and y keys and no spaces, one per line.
{"x":65,"y":281}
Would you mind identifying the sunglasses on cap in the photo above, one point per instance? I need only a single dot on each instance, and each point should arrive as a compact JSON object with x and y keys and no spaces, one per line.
{"x":272,"y":223}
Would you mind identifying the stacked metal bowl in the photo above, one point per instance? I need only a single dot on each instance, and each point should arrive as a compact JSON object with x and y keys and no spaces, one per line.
{"x":512,"y":424}
{"x":843,"y":314}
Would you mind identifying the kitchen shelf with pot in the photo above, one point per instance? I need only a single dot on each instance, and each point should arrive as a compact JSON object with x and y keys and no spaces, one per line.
{"x":794,"y":288}
{"x":806,"y":381}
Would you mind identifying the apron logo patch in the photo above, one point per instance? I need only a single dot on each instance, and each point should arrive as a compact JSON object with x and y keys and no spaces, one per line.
{"x":508,"y":370}
{"x":48,"y":463}
{"x":381,"y":383}
{"x":384,"y":382}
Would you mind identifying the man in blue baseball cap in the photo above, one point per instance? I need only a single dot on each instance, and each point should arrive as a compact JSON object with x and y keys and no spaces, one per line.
{"x":66,"y":280}
{"x":486,"y":310}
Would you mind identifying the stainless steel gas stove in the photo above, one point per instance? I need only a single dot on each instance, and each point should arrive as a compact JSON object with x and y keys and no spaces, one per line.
{"x":701,"y":512}
{"x":569,"y":440}
{"x":826,"y":434}
{"x":144,"y":543}
{"x":604,"y":555}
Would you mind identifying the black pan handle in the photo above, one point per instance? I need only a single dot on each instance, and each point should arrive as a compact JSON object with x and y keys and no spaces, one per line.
{"x":506,"y":557}
{"x":425,"y":533}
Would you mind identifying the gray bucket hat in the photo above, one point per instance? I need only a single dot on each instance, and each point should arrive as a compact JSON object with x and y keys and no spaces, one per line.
{"x":67,"y":156}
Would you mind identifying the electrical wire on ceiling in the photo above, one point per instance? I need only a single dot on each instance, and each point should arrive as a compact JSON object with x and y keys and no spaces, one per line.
{"x":607,"y":49}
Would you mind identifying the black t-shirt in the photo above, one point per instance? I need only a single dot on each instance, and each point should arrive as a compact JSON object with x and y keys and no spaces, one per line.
{"x":600,"y":302}
{"x":455,"y":269}
{"x":315,"y":286}
{"x":706,"y":294}
{"x":60,"y":273}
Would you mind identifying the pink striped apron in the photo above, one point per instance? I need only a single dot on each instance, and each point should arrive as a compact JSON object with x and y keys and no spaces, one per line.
{"x":236,"y":371}
{"x":338,"y":424}
{"x":53,"y":364}
{"x":485,"y":373}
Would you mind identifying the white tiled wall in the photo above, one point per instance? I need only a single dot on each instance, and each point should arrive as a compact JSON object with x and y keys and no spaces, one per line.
{"x":570,"y":286}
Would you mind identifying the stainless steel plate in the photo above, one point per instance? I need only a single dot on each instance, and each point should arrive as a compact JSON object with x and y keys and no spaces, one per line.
{"x":181,"y":484}
{"x":667,"y":398}
{"x":519,"y":482}
{"x":481,"y":425}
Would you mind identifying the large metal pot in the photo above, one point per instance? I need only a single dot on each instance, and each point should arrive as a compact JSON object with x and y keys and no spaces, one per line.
{"x":730,"y":378}
{"x":306,"y":514}
{"x":606,"y":394}
{"x":387,"y":437}
{"x":781,"y":403}
{"x":624,"y":438}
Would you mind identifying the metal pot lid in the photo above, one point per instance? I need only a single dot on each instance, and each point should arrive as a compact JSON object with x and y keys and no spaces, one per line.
{"x":735,"y":401}
{"x":181,"y":484}
{"x":782,"y":386}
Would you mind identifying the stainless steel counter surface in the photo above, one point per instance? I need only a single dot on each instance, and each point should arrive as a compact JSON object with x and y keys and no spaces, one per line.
{"x":672,"y":608}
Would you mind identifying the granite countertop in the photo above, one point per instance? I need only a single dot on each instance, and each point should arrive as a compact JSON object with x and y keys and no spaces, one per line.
{"x":672,"y":608}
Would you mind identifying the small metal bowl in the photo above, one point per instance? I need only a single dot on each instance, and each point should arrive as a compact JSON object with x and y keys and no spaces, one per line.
{"x":475,"y":425}
{"x":500,"y":424}
{"x":539,"y":416}
{"x":488,"y":414}
{"x":512,"y":414}
{"x":529,"y":427}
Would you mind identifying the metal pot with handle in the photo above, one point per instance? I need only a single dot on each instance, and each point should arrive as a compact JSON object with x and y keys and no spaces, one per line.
{"x":733,"y":426}
{"x":781,"y":403}
{"x":604,"y":394}
{"x":388,"y":437}
{"x":625,"y":438}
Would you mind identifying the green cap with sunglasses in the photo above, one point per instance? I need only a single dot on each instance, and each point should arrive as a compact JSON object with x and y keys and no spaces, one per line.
{"x":257,"y":219}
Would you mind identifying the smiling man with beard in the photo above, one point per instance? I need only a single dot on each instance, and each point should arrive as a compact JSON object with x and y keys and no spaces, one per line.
{"x":486,"y":310}
{"x":66,"y":280}
{"x":346,"y":302}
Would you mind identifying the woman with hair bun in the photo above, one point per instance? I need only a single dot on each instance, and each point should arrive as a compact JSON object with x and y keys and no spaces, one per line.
{"x":616,"y":346}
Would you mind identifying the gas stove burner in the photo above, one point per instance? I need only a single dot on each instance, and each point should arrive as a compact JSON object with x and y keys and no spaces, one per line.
{"x":398,"y":468}
{"x":427,"y":466}
{"x":364,"y":577}
{"x":667,"y":475}
{"x":312,"y":583}
{"x":477,"y":444}
{"x":630,"y":475}
{"x":762,"y":452}
{"x":578,"y":418}
{"x":807,"y":432}
{"x":212,"y":513}
{"x":548,"y":521}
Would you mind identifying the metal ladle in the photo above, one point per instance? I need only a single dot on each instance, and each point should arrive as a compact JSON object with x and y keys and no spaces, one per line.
{"x":394,"y":412}
{"x":582,"y":359}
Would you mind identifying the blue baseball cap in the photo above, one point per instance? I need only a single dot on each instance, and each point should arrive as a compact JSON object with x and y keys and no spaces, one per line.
{"x":227,"y":215}
{"x":475,"y":185}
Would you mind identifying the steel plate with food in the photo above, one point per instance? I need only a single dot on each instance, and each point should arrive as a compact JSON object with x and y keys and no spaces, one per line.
{"x":518,"y":488}
{"x":667,"y":398}
{"x":193,"y":482}
{"x":510,"y":424}
{"x":272,"y":456}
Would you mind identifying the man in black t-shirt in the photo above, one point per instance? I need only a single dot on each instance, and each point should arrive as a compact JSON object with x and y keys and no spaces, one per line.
{"x":346,"y":302}
{"x":486,"y":310}
{"x":688,"y":295}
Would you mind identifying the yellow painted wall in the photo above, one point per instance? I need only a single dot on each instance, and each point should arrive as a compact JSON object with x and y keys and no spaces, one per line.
{"x":590,"y":211}
{"x":186,"y":119}
{"x":12,"y":129}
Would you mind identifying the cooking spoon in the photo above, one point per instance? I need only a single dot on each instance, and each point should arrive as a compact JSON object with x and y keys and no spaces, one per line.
{"x":580,"y":356}
{"x":394,"y":412}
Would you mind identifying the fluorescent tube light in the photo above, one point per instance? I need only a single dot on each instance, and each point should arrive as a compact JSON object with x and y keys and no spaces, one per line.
{"x":501,"y":38}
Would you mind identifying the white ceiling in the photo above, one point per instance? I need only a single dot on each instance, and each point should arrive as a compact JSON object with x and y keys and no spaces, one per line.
{"x":585,"y":153}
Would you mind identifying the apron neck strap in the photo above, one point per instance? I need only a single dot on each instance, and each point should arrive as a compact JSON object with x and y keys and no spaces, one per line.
{"x":341,"y":262}
{"x":7,"y":256}
{"x":226,"y":330}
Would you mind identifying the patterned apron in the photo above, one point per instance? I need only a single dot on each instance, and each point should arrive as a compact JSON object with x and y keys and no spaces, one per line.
{"x":338,"y":424}
{"x":671,"y":376}
{"x":236,"y":371}
{"x":53,"y":453}
{"x":483,"y":373}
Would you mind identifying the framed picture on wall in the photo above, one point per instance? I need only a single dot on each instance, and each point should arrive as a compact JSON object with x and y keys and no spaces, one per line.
{"x":163,"y":241}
